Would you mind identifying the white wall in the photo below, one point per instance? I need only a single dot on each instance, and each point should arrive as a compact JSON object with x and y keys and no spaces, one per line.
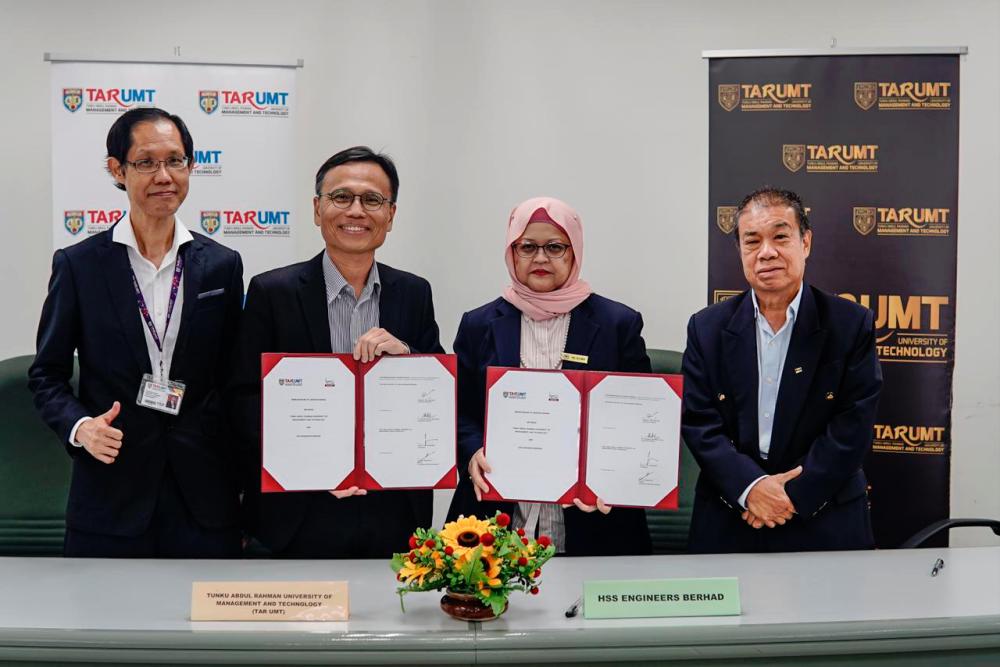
{"x":484,"y":104}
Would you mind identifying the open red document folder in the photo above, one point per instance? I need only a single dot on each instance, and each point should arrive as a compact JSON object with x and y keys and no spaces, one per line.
{"x":552,"y":436}
{"x":330,"y":422}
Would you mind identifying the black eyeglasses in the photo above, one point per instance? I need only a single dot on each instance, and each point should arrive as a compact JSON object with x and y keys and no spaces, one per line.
{"x":371,"y":201}
{"x":147,"y":166}
{"x":528,"y":249}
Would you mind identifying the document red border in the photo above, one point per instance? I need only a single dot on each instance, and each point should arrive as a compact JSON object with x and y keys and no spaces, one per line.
{"x":359,"y":476}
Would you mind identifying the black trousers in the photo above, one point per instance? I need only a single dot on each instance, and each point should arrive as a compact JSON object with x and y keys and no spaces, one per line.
{"x":172,"y":533}
{"x":370,"y":526}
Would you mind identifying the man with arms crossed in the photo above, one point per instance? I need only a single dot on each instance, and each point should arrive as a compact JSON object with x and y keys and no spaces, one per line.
{"x":339,"y":301}
{"x":781,"y":384}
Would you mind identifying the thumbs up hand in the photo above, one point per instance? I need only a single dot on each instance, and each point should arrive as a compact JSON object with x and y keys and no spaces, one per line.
{"x":99,"y":437}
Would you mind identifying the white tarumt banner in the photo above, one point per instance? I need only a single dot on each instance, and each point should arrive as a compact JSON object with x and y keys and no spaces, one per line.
{"x":241,"y":118}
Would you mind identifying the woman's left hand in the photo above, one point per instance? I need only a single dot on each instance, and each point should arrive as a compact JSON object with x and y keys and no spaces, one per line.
{"x":584,"y":507}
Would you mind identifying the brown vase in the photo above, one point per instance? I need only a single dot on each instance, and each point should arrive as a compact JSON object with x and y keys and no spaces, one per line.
{"x":467,"y":607}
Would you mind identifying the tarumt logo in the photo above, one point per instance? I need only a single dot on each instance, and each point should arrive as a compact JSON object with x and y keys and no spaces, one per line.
{"x":107,"y":100}
{"x":254,"y":222}
{"x":207,"y":163}
{"x":272,"y":103}
{"x":93,"y":220}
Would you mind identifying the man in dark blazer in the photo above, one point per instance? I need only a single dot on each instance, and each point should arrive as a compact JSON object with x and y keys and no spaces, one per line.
{"x":145,"y":483}
{"x":609,"y":335}
{"x":339,"y":301}
{"x":781,"y":385}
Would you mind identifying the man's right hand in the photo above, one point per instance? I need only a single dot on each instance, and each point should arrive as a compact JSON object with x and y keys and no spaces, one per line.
{"x":477,"y":466}
{"x":767,"y":500}
{"x":99,"y":437}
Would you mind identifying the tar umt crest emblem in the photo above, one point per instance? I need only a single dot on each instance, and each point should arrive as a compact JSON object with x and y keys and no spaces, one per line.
{"x":208,"y":100}
{"x":864,"y":219}
{"x":210,"y":222}
{"x":865,"y":94}
{"x":729,"y":95}
{"x":793,"y":156}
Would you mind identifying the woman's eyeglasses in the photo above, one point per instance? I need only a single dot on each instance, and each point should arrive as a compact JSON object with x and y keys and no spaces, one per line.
{"x":528,"y":250}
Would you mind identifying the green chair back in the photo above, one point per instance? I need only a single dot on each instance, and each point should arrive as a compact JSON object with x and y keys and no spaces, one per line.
{"x":34,"y":476}
{"x":669,"y":529}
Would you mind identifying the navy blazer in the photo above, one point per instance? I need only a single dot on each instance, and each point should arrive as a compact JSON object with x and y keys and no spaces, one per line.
{"x":610,"y":335}
{"x":91,"y":309}
{"x":286,"y":311}
{"x":823,"y":421}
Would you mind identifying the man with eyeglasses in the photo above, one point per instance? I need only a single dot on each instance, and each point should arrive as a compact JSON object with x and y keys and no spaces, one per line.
{"x":340,"y":301}
{"x":148,"y":306}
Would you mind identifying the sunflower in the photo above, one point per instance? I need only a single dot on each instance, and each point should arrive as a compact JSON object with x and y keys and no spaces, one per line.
{"x":411,"y":571}
{"x":464,"y":533}
{"x":491,"y":571}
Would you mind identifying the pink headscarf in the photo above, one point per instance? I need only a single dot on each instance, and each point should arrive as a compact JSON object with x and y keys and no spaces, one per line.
{"x":546,"y":305}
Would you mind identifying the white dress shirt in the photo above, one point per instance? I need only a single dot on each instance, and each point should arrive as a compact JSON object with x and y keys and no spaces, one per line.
{"x":155,"y":282}
{"x":772,"y":348}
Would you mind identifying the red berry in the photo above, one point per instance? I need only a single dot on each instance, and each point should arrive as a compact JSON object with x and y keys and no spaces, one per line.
{"x":522,"y":561}
{"x":429,"y":543}
{"x":448,"y":551}
{"x":486,"y":539}
{"x":399,"y":577}
{"x":413,"y":557}
{"x":537,"y":574}
{"x":524,"y":541}
{"x":534,"y":590}
{"x":520,"y":532}
{"x":413,"y":541}
{"x":503,"y":519}
{"x":544,"y":540}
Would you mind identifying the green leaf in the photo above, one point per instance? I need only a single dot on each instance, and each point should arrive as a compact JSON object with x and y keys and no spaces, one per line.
{"x":497,"y":604}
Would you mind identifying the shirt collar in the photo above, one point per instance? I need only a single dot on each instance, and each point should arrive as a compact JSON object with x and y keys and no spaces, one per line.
{"x":124,"y":233}
{"x":335,"y":281}
{"x":793,"y":307}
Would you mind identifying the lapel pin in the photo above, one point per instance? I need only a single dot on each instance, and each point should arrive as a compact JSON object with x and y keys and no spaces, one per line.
{"x":798,"y":369}
{"x":829,"y":395}
{"x":722,"y":397}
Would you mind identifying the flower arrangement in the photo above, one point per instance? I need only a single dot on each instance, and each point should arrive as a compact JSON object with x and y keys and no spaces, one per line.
{"x":481,"y":557}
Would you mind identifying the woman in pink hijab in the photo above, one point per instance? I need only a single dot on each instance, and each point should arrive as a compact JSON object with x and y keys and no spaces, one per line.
{"x":547,"y":318}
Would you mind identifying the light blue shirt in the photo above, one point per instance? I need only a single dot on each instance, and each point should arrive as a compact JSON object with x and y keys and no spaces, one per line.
{"x":772,"y":348}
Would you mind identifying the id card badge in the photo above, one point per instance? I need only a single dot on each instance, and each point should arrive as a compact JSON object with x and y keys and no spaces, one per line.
{"x":163,"y":396}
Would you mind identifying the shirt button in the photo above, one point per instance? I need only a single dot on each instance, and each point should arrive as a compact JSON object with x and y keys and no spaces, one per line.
{"x":767,"y":415}
{"x":770,"y":380}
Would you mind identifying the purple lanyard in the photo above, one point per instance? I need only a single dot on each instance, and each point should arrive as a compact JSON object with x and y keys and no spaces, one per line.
{"x":174,"y":285}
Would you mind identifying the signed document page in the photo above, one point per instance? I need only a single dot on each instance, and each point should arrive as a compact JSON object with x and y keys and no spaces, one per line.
{"x":532,"y":436}
{"x":409,"y":422}
{"x":308,"y":428}
{"x":633,"y":440}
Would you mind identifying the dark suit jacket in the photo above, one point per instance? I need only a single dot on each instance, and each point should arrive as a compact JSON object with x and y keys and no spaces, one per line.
{"x":91,"y":309}
{"x":286,"y":311}
{"x":610,"y":335}
{"x":823,"y":421}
